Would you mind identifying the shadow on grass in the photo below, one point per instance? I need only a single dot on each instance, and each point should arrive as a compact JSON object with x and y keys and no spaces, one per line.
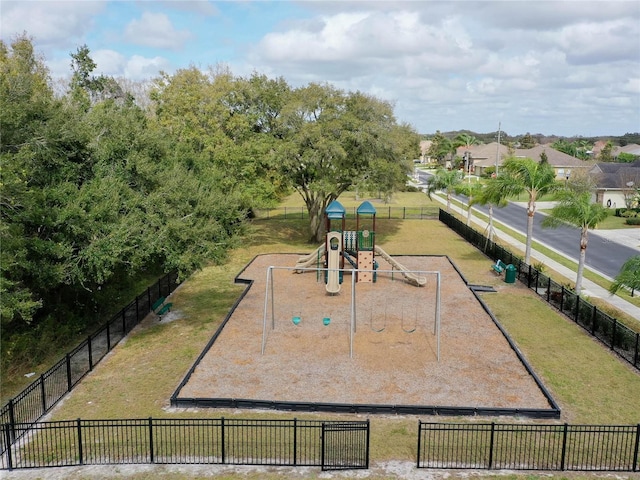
{"x":295,"y":232}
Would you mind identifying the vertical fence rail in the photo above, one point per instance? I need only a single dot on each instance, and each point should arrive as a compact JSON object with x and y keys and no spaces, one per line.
{"x":608,"y":330}
{"x":39,"y":397}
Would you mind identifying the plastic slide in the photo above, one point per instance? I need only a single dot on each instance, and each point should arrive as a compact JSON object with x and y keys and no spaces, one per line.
{"x":310,"y":260}
{"x":333,"y":263}
{"x":410,"y":277}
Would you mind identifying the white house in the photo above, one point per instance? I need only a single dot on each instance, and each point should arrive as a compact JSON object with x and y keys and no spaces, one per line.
{"x":616,"y":183}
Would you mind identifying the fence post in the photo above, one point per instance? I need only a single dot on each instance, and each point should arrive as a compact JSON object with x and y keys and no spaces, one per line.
{"x":90,"y":353}
{"x":322,"y":445}
{"x":635,"y":451}
{"x":576,"y":314}
{"x":8,"y":428}
{"x":368,"y":441}
{"x":529,"y":277}
{"x":43,"y":394}
{"x":594,"y":317}
{"x":613,"y":333}
{"x":636,"y":357}
{"x":69,"y":385}
{"x":295,"y":441}
{"x":419,"y":442}
{"x":222,"y":436}
{"x":548,"y":289}
{"x":404,"y":213}
{"x":562,"y":298}
{"x":493,"y":429}
{"x":151,"y":459}
{"x":108,"y":336}
{"x":80,"y":453}
{"x":564,"y":446}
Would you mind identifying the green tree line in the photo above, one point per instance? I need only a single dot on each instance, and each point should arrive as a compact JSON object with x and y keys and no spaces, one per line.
{"x":98,"y":189}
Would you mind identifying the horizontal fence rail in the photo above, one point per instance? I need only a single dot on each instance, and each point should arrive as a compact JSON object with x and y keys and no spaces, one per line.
{"x":529,"y":447}
{"x":39,"y":397}
{"x":382,"y":212}
{"x":608,"y":330}
{"x":187,"y":441}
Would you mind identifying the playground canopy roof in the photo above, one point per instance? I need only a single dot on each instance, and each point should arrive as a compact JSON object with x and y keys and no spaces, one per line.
{"x":366,"y":208}
{"x":335,"y":210}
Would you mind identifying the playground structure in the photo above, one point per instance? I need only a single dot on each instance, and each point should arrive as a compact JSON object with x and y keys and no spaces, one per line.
{"x":357,"y":247}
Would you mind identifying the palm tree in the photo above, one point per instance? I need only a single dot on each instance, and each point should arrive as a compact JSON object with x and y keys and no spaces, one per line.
{"x":491,"y":196}
{"x":576,"y":208}
{"x":520,"y":175}
{"x":465,"y":140}
{"x":472,"y":191}
{"x":446,"y":180}
{"x":629,"y":276}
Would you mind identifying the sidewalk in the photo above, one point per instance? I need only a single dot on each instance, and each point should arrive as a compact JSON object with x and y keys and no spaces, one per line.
{"x":589,"y":289}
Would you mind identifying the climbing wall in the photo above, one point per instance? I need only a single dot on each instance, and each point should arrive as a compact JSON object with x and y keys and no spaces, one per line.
{"x":365,"y":262}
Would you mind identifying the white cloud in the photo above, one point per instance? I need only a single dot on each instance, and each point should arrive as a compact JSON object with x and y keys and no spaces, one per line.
{"x":594,"y":43}
{"x":549,"y":66}
{"x":108,"y":62}
{"x":156,"y":30}
{"x":52,"y":24}
{"x":200,"y":7}
{"x":140,"y":68}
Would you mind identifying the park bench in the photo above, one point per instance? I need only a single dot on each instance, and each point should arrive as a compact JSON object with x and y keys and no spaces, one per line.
{"x":160,"y":308}
{"x":499,"y":266}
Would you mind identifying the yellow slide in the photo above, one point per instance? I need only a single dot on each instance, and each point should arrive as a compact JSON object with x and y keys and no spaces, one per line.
{"x":310,"y":260}
{"x":410,"y":277}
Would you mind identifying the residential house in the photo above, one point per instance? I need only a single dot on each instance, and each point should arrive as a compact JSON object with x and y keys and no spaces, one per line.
{"x":616,"y":183}
{"x":484,"y":156}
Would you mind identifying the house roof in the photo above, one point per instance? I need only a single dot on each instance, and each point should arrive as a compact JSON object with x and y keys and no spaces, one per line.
{"x":632,"y":148}
{"x":485,"y":155}
{"x":616,"y":175}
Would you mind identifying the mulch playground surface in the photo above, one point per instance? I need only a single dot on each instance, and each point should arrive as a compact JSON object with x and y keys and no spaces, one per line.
{"x":394,"y":347}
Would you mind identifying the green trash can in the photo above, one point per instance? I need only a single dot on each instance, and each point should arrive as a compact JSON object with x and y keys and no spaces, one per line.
{"x":510,"y":274}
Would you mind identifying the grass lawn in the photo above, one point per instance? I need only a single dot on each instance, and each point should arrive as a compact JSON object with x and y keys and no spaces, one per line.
{"x":138,"y":377}
{"x":591,"y":385}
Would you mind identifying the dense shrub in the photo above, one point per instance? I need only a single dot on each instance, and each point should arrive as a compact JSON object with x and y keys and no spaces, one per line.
{"x":633,"y":221}
{"x":627,"y":212}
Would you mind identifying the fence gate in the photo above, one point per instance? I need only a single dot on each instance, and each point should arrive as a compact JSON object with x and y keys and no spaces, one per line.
{"x":345,"y":445}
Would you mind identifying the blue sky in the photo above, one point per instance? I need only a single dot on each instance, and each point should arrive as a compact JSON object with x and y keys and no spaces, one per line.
{"x":540,"y":66}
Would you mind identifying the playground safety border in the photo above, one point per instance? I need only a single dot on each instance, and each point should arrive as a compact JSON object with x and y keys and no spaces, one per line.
{"x":553,"y":412}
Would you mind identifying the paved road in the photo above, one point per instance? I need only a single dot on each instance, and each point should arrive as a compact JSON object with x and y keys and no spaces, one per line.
{"x":604,"y":254}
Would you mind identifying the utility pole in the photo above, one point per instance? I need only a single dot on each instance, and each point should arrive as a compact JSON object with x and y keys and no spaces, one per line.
{"x":498,"y":152}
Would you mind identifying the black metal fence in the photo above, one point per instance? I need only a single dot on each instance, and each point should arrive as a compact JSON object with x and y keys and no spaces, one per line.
{"x":615,"y":335}
{"x":329,"y":444}
{"x":528,"y":447}
{"x":39,"y":397}
{"x":382,"y":212}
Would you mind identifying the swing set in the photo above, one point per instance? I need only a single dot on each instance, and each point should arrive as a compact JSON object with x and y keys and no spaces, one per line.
{"x":271,"y":301}
{"x":405,"y":329}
